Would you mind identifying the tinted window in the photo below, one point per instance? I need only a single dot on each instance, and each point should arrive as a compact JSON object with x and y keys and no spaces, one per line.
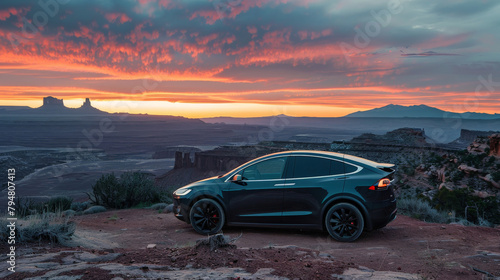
{"x":350,"y":168}
{"x":265,"y":170}
{"x":336,"y":167}
{"x":311,"y":167}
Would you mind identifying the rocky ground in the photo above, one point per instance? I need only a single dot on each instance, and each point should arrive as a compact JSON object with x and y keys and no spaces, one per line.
{"x":114,"y":245}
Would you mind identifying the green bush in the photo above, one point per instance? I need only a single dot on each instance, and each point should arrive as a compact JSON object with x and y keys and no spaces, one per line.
{"x":421,"y":210}
{"x":131,"y":189}
{"x":59,"y":203}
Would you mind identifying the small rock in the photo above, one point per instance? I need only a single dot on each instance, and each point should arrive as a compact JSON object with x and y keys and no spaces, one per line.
{"x":151,"y":246}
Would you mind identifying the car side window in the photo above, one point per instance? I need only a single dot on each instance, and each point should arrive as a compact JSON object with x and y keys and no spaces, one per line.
{"x":337,"y":167}
{"x":265,"y":170}
{"x":311,"y":167}
{"x":350,"y":168}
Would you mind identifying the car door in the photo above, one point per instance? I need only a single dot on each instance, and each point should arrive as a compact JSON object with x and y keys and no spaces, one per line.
{"x":258,"y":197}
{"x":310,"y":180}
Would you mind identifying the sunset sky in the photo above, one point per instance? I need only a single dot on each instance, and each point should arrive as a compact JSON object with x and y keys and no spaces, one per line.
{"x":251,"y":58}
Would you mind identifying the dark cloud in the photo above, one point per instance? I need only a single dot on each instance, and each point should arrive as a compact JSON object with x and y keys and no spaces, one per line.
{"x":426,"y":54}
{"x":463,"y":8}
{"x":242,"y":45}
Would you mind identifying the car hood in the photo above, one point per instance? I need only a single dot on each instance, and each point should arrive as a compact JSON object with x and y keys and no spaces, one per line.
{"x":210,"y":180}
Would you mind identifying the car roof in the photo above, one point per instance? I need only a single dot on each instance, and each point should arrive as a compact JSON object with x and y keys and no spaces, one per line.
{"x":351,"y":158}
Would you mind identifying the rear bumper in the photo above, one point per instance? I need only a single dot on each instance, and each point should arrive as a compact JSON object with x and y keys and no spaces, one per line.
{"x":382,"y":216}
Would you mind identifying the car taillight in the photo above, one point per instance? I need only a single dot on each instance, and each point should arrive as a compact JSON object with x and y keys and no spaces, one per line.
{"x":382,"y":184}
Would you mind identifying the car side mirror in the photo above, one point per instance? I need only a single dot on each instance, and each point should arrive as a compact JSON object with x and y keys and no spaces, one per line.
{"x":237,"y":178}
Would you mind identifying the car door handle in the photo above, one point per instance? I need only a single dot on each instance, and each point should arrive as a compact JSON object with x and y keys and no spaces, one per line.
{"x":283,"y":184}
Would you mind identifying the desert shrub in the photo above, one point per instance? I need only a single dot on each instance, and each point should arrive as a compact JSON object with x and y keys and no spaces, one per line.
{"x":107,"y":191}
{"x":496,"y":176}
{"x":80,"y":206}
{"x":434,"y":158}
{"x":59,"y":203}
{"x":40,"y":228}
{"x":68,"y":213}
{"x":95,"y":209}
{"x":487,"y":209}
{"x":158,"y":206}
{"x":421,"y":210}
{"x":456,"y":176}
{"x":131,"y":189}
{"x":408,"y":170}
{"x":46,"y":231}
{"x":138,"y":187}
{"x":27,"y":206}
{"x":474,"y":160}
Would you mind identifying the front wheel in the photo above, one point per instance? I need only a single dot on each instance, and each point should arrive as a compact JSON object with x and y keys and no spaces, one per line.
{"x":344,"y":222}
{"x":206,"y":216}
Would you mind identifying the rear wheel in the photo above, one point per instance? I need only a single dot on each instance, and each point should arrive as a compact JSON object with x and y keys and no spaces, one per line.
{"x":344,"y":222}
{"x":206,"y":216}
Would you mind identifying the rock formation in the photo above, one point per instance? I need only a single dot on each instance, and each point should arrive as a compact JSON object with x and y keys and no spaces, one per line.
{"x":52,"y":101}
{"x":495,"y":144}
{"x":221,"y":159}
{"x":468,"y":169}
{"x":402,"y":136}
{"x":86,"y":103}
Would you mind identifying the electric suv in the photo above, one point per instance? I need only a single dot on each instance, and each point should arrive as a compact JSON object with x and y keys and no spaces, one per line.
{"x":343,"y":194}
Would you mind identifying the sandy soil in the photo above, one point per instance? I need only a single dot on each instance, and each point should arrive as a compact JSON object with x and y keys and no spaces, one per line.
{"x":431,"y":251}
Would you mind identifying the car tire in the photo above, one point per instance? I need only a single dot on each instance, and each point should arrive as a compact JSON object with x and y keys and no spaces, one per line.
{"x":344,"y":222}
{"x":206,"y":216}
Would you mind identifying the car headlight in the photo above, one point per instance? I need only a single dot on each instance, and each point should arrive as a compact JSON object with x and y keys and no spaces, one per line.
{"x":181,"y":192}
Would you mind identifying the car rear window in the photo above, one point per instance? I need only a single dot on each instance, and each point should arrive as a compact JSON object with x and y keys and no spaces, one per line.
{"x":350,"y":168}
{"x":336,"y":167}
{"x":315,"y":166}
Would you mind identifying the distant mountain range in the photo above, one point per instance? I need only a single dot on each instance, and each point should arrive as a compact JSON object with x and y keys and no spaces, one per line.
{"x":53,"y":106}
{"x":418,"y":111}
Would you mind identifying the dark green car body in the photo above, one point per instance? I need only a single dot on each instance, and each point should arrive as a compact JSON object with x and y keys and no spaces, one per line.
{"x":295,"y":189}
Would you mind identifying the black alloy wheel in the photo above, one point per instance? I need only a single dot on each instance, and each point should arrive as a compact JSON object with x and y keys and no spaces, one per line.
{"x":207,"y":216}
{"x":344,"y":222}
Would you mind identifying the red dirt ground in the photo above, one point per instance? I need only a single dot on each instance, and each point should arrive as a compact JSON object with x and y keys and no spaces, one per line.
{"x":408,"y":245}
{"x":433,"y":251}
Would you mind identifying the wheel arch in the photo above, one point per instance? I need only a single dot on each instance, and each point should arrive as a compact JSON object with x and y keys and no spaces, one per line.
{"x":351,"y":200}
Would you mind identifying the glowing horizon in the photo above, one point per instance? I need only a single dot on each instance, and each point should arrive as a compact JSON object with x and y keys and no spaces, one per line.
{"x":209,"y":110}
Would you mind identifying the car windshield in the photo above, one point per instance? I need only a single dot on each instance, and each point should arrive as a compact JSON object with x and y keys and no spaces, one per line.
{"x":228,"y":173}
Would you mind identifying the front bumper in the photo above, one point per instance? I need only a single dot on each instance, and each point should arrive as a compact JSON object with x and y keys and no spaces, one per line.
{"x":181,"y":211}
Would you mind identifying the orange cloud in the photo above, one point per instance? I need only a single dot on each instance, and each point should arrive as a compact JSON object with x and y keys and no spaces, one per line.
{"x":5,"y":14}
